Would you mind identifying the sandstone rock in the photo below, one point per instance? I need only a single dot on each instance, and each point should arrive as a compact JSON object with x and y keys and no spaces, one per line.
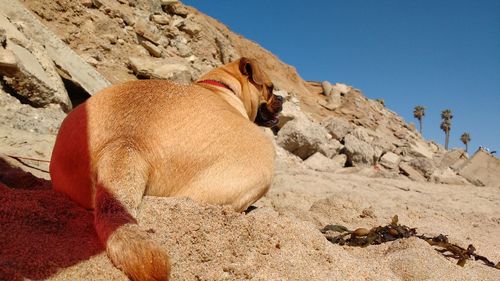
{"x":302,"y":137}
{"x":320,"y":162}
{"x":331,"y":148}
{"x":447,"y":176}
{"x":327,"y":88}
{"x":340,"y":159}
{"x":168,"y":2}
{"x":333,"y":101}
{"x":8,"y":62}
{"x":410,"y":172}
{"x":453,"y":158}
{"x":160,"y":19}
{"x":148,"y":31}
{"x":290,"y":112}
{"x":359,"y":153}
{"x":424,"y":165}
{"x":342,"y":88}
{"x":68,"y":61}
{"x":337,"y":127}
{"x":390,"y":160}
{"x":86,"y":3}
{"x":363,"y":134}
{"x":482,"y":169}
{"x":176,"y":8}
{"x":420,"y":149}
{"x":168,"y":69}
{"x":153,"y":50}
{"x":190,"y":27}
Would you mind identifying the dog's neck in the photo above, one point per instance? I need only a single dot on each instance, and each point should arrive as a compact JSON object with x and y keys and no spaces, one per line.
{"x":227,"y":93}
{"x":215,"y":83}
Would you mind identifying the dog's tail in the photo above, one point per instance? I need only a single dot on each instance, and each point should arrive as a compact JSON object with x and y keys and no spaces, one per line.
{"x":129,"y":248}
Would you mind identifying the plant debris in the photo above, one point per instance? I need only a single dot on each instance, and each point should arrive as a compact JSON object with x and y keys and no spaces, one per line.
{"x":363,"y":237}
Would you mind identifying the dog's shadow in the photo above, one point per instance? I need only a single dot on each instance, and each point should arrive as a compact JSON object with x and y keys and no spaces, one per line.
{"x":41,"y":231}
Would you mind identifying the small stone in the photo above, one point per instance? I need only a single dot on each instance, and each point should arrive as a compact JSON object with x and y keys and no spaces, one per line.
{"x":190,"y":27}
{"x":8,"y":62}
{"x":176,"y":9}
{"x":160,"y":19}
{"x":121,"y":41}
{"x":87,"y":3}
{"x":152,"y":48}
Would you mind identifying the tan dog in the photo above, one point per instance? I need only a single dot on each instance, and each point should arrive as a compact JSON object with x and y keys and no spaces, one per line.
{"x":163,"y":139}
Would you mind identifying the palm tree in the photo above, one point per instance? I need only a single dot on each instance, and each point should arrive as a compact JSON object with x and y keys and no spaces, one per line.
{"x":465,"y":138}
{"x":446,"y":117}
{"x":419,"y":113}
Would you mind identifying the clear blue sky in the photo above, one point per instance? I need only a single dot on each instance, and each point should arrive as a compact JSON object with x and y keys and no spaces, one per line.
{"x":440,"y":54}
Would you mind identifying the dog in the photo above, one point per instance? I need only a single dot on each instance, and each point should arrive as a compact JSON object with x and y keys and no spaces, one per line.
{"x":155,"y":137}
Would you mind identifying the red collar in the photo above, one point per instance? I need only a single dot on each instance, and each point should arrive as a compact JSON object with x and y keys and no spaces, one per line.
{"x":215,"y":83}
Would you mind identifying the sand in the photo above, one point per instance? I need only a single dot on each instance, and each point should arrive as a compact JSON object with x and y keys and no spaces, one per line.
{"x":45,"y":236}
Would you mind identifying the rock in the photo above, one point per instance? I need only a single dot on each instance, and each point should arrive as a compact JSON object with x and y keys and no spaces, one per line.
{"x":327,"y":88}
{"x":340,"y":159}
{"x":363,"y":134}
{"x":337,"y":127}
{"x":153,"y":50}
{"x":67,"y":60}
{"x":168,"y":69}
{"x":420,"y":149}
{"x":424,"y":165}
{"x":333,"y":101}
{"x":168,"y":2}
{"x":410,"y":172}
{"x":8,"y":62}
{"x":447,"y":176}
{"x":453,"y":158}
{"x":290,"y":112}
{"x":482,"y":169}
{"x":176,"y":8}
{"x":190,"y":27}
{"x":320,"y":162}
{"x":390,"y":160}
{"x":341,"y":88}
{"x":148,"y":31}
{"x":359,"y":153}
{"x":302,"y":137}
{"x":86,"y":3}
{"x":331,"y":148}
{"x":160,"y":19}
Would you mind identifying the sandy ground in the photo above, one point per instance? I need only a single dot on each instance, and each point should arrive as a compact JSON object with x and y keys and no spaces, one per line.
{"x":279,"y":240}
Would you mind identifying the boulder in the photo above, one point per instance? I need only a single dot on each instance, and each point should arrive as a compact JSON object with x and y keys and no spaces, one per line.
{"x":57,"y":51}
{"x":410,"y":172}
{"x":153,"y":50}
{"x":320,"y":162}
{"x":390,"y":160}
{"x":160,"y":19}
{"x":337,"y":127}
{"x":331,"y":148}
{"x":333,"y":101}
{"x":424,"y":165}
{"x":453,"y":158}
{"x":359,"y":153}
{"x":340,"y":159}
{"x":302,"y":137}
{"x":190,"y":27}
{"x":169,"y":69}
{"x":482,"y":169}
{"x":291,"y":111}
{"x":447,"y":176}
{"x":327,"y":88}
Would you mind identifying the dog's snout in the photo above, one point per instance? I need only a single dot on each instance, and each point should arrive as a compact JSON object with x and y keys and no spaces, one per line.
{"x":279,"y":98}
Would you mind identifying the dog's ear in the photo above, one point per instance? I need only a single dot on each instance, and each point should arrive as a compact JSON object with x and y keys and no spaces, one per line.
{"x":250,"y":68}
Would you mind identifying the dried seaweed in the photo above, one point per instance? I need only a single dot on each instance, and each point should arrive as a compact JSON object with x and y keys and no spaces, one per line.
{"x":363,"y":237}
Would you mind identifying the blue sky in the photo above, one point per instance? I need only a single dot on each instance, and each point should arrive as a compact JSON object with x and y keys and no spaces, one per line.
{"x":440,"y":54}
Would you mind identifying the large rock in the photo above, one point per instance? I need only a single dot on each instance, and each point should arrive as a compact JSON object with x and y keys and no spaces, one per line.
{"x":156,"y":68}
{"x":482,"y":169}
{"x":291,"y":111}
{"x":337,"y":127}
{"x":390,"y":160}
{"x":453,"y":158}
{"x":320,"y":162}
{"x":66,"y":59}
{"x":302,"y":137}
{"x":424,"y":165}
{"x":359,"y":153}
{"x":407,"y":170}
{"x":447,"y":176}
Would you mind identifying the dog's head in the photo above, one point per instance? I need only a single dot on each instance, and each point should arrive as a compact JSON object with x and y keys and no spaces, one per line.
{"x":248,"y":82}
{"x":265,"y":105}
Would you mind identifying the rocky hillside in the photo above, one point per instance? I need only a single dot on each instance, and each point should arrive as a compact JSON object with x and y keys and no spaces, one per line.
{"x":55,"y":54}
